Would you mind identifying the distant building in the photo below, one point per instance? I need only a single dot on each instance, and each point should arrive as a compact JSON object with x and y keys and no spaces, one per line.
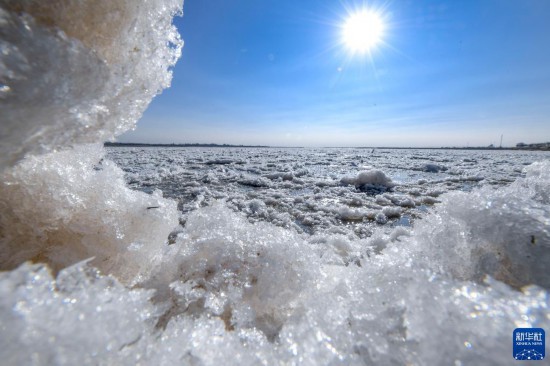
{"x":538,"y":146}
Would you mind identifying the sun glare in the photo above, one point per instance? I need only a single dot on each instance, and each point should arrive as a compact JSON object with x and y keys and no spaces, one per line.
{"x":362,"y":31}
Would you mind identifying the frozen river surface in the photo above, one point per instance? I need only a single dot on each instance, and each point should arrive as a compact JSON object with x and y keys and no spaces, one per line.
{"x":318,"y":191}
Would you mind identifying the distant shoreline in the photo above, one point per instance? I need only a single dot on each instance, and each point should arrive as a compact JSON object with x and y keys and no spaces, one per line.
{"x":139,"y":144}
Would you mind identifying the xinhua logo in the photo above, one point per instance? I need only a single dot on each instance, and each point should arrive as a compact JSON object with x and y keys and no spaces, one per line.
{"x":529,"y":344}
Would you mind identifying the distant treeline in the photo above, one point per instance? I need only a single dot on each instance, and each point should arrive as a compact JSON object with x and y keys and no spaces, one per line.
{"x":137,"y":144}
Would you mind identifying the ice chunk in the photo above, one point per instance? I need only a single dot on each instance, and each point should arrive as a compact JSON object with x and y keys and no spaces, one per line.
{"x":283,"y":176}
{"x":349,"y":214}
{"x":370,"y":181}
{"x":503,"y":233}
{"x":381,"y":218}
{"x":80,"y":318}
{"x":253,"y":274}
{"x":80,"y":71}
{"x":75,"y":72}
{"x":433,"y":168}
{"x":61,"y":210}
{"x":219,"y":162}
{"x":391,"y":211}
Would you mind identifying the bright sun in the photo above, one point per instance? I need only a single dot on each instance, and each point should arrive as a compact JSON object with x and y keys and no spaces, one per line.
{"x":362,"y":31}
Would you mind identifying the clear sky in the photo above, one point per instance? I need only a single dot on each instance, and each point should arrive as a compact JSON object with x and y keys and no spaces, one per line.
{"x":445,"y":73}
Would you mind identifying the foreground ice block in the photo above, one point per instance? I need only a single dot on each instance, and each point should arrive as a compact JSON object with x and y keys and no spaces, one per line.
{"x":75,"y":72}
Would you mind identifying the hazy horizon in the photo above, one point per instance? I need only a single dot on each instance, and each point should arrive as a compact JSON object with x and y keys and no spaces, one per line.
{"x":191,"y":144}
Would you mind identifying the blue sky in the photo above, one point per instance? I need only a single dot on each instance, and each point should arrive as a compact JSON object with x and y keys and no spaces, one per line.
{"x":447,"y":73}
